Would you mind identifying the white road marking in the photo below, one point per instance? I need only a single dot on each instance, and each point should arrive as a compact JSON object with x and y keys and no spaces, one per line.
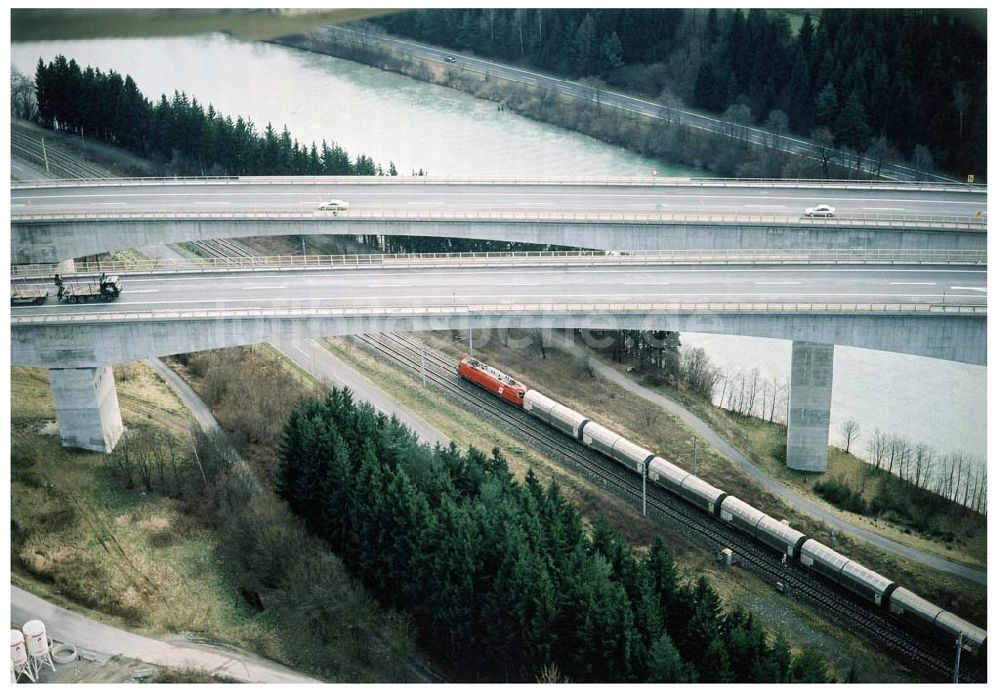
{"x":263,"y":286}
{"x":213,"y":202}
{"x":777,"y":283}
{"x":350,"y":272}
{"x":738,"y":297}
{"x":914,"y":283}
{"x":95,"y":204}
{"x":974,"y":289}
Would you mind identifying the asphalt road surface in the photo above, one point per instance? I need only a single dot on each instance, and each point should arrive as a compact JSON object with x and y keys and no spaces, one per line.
{"x":404,"y":195}
{"x":88,"y":634}
{"x":336,"y":288}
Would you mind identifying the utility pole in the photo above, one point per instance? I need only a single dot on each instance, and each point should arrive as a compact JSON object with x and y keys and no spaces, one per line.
{"x":423,"y":372}
{"x":470,"y":340}
{"x":45,"y":156}
{"x":645,"y":472}
{"x":958,"y":658}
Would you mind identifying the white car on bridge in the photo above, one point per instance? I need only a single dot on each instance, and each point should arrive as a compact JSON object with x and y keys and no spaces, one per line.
{"x":820,"y":211}
{"x":334,"y":205}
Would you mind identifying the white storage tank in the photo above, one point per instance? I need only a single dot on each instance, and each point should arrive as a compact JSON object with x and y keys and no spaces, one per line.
{"x":35,"y":638}
{"x":18,"y":652}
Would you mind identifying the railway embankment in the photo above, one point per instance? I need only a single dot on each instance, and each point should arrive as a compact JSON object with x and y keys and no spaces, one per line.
{"x":568,"y":377}
{"x":952,"y":540}
{"x":800,"y":624}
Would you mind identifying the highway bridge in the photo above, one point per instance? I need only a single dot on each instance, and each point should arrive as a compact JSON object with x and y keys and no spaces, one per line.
{"x":924,"y":308}
{"x":54,"y":221}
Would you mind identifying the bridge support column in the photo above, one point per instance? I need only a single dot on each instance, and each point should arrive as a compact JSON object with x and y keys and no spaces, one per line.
{"x":87,"y":407}
{"x":809,"y":396}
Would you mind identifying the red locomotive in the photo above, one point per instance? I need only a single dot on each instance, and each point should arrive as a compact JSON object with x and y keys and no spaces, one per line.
{"x":488,"y":378}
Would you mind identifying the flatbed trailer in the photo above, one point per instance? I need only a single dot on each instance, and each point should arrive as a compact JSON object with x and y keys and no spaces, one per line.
{"x":21,"y":295}
{"x":107,"y":288}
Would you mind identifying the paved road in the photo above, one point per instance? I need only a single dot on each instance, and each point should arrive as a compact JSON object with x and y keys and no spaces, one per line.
{"x":462,"y":196}
{"x":199,"y":410}
{"x":787,"y":494}
{"x":512,"y":284}
{"x":324,"y":365}
{"x":68,"y":627}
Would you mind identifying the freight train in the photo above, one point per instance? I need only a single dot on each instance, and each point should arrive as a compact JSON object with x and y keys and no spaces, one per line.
{"x":794,"y":546}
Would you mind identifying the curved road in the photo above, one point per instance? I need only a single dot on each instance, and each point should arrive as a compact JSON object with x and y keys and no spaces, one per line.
{"x":787,"y":494}
{"x":509,"y":283}
{"x":490,"y":195}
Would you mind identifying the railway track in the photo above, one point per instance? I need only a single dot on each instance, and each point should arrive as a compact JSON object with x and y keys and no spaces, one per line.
{"x":831,"y":600}
{"x":60,"y":163}
{"x":844,"y":608}
{"x":221,"y":248}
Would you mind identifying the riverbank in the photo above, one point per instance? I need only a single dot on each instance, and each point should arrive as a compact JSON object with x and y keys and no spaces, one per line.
{"x":726,"y":155}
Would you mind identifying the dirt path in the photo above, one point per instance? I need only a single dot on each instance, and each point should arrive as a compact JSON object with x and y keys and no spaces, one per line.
{"x":787,"y":494}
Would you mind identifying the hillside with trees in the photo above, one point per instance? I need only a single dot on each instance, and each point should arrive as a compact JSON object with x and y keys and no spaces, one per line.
{"x":899,"y":84}
{"x":501,"y":578}
{"x":180,"y":133}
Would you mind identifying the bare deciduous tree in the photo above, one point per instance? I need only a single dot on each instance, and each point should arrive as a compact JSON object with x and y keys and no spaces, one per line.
{"x":849,"y":430}
{"x":22,"y":96}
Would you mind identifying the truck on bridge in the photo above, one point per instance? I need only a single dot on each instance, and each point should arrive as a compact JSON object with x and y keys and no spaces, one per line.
{"x":107,"y":288}
{"x":21,"y":294}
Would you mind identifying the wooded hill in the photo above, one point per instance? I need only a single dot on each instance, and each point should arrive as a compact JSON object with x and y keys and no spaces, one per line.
{"x":502,"y":579}
{"x":912,"y":81}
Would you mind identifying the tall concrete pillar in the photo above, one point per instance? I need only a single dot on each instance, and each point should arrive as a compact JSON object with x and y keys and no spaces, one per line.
{"x":809,"y":406}
{"x":87,"y":407}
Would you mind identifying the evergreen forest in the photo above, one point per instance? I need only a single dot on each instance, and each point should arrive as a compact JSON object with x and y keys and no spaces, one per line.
{"x":188,"y":139}
{"x":503,"y":580}
{"x":180,"y":133}
{"x":906,"y":83}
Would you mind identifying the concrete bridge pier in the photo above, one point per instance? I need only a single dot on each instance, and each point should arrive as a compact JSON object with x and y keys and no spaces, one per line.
{"x":809,"y":396}
{"x":87,"y":407}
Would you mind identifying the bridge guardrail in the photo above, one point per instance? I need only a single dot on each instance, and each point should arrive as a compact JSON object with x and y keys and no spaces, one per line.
{"x":498,"y":259}
{"x":649,"y":181}
{"x":877,"y":220}
{"x":63,"y":318}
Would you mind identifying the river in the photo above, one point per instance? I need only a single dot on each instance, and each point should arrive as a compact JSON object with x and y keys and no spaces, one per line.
{"x":444,"y":132}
